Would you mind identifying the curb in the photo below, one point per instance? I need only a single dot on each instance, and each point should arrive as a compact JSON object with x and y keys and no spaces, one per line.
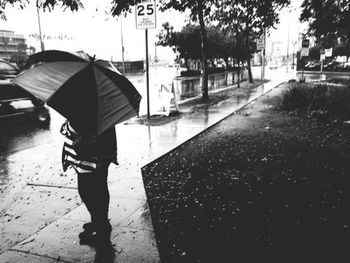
{"x":210,"y":126}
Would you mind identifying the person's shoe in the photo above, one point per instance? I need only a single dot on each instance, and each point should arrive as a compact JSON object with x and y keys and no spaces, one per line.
{"x":87,"y":234}
{"x":87,"y":237}
{"x":94,"y":234}
{"x":103,"y":233}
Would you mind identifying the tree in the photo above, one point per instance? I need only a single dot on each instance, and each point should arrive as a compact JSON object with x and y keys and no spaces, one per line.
{"x":22,"y":48}
{"x":329,"y":20}
{"x":199,"y":10}
{"x":32,"y":50}
{"x":187,"y":42}
{"x":19,"y":58}
{"x":5,"y":41}
{"x":247,"y":19}
{"x":74,"y":5}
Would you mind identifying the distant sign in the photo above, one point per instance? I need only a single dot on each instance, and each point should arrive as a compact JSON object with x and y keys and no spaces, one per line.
{"x":322,"y":54}
{"x":260,"y":43}
{"x":305,"y":42}
{"x":146,"y":14}
{"x":328,"y":52}
{"x":304,"y":52}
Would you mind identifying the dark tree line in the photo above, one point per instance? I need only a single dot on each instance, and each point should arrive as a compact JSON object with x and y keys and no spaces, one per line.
{"x":329,"y":21}
{"x":187,"y":43}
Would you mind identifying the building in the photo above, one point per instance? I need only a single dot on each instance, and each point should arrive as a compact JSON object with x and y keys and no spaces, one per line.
{"x":11,"y":44}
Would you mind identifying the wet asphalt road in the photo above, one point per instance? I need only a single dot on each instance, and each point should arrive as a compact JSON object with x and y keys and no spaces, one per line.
{"x":20,"y":128}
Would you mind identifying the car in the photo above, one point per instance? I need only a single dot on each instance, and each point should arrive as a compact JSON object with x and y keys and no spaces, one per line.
{"x":332,"y":66}
{"x":313,"y":65}
{"x":8,"y":91}
{"x":11,"y":93}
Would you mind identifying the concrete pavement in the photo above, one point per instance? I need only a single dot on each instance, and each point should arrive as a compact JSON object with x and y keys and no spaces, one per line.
{"x":43,"y":222}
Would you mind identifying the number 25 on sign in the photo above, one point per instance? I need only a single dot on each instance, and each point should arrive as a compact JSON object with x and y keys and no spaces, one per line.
{"x":146,"y":14}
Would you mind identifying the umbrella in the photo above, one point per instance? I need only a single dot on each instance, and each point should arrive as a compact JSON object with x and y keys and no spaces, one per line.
{"x":88,"y":92}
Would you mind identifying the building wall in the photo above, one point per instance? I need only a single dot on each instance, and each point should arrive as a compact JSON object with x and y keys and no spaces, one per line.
{"x":9,"y":42}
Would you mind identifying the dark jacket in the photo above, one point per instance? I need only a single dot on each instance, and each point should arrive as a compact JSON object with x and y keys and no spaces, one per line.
{"x":88,"y":151}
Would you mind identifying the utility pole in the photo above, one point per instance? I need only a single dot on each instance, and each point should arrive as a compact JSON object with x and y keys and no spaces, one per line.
{"x":293,"y":63}
{"x":288,"y":41}
{"x":40,"y":35}
{"x":122,"y":42}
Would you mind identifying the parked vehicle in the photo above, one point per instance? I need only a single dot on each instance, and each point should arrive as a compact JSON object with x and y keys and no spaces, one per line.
{"x":332,"y":66}
{"x":313,"y":65}
{"x":10,"y":93}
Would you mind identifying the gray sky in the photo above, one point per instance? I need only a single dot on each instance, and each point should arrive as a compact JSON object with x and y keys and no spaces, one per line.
{"x":95,"y":31}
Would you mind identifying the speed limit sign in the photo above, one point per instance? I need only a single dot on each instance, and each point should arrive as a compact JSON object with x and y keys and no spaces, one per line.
{"x":146,"y":14}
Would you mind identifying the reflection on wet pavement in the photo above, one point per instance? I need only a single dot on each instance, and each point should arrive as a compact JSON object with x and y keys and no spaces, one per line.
{"x":161,"y":139}
{"x":23,"y":127}
{"x":38,"y":170}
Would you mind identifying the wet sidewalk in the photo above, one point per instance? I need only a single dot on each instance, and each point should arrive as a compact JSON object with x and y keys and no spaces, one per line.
{"x":43,"y":223}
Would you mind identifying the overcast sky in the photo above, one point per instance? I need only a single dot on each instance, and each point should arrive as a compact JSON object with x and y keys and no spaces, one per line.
{"x":95,"y":31}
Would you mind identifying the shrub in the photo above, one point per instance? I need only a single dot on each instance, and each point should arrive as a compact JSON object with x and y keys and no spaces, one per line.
{"x":321,"y":99}
{"x":190,"y":73}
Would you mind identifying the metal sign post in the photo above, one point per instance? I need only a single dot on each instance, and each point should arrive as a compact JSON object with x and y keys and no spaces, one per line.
{"x":146,"y":19}
{"x":147,"y":72}
{"x":322,"y":58}
{"x":304,"y":53}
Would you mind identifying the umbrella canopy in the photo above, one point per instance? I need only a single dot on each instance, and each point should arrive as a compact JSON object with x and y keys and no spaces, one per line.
{"x":90,"y":93}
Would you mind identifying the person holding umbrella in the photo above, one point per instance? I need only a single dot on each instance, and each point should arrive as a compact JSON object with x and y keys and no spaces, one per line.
{"x":93,"y":96}
{"x":90,"y":156}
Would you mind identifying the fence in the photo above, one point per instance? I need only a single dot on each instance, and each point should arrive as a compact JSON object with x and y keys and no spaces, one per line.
{"x":189,"y":87}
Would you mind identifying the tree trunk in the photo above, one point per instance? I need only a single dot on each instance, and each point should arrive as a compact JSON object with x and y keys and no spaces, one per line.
{"x":205,"y":95}
{"x":226,"y":63}
{"x":239,"y":74}
{"x":187,"y":66}
{"x":250,"y":75}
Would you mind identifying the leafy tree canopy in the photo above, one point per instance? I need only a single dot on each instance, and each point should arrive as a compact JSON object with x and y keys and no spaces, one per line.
{"x":73,"y":5}
{"x":246,"y":20}
{"x":187,"y":42}
{"x":248,"y":16}
{"x":328,"y":19}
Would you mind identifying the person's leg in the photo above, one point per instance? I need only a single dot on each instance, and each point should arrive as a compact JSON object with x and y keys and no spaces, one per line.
{"x":100,"y":198}
{"x":93,"y":190}
{"x":85,"y":188}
